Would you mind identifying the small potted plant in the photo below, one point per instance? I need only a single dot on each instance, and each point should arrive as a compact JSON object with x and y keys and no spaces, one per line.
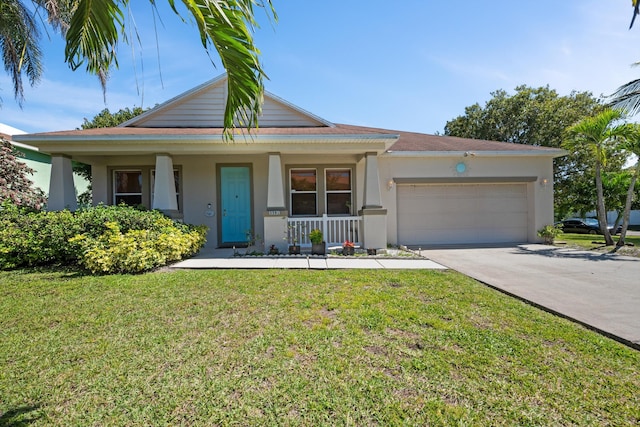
{"x":293,"y":235}
{"x":318,"y":245}
{"x":549,"y":233}
{"x":348,"y":248}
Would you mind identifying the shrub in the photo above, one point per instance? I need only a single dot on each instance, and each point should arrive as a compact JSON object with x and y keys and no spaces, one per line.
{"x":15,"y":185}
{"x":104,"y":239}
{"x":315,"y":236}
{"x":549,"y":233}
{"x":34,"y":238}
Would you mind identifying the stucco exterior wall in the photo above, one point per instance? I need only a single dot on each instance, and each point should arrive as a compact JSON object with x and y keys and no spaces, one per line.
{"x":199,"y":187}
{"x":539,"y":195}
{"x":40,"y":163}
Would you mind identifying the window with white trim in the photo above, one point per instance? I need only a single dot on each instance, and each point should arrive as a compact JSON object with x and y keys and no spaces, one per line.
{"x":127,"y":187}
{"x":304,"y":192}
{"x":338,"y":191}
{"x":133,"y":185}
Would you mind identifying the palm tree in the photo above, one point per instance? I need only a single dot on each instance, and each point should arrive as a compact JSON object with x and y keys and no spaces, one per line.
{"x":19,"y":37}
{"x":597,"y":135}
{"x":627,"y":96}
{"x":632,"y":145}
{"x":93,"y":30}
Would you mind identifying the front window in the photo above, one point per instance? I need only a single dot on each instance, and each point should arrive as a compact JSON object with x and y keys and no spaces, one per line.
{"x":127,"y":187}
{"x":134,"y":185}
{"x":338,"y":191}
{"x":304,"y":192}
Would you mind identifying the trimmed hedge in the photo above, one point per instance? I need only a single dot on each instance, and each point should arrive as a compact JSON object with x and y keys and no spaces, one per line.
{"x":103,"y":239}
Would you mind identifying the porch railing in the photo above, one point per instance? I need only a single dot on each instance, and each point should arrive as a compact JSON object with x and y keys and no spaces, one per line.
{"x":335,"y":229}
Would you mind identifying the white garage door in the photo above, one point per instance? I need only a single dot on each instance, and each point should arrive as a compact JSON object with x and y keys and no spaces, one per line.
{"x":431,"y":214}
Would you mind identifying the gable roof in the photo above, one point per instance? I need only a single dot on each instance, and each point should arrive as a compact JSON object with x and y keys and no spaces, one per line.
{"x":204,"y":106}
{"x":192,"y":123}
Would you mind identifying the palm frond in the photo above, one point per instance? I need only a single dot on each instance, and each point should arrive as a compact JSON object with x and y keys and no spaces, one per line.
{"x":19,"y":38}
{"x":227,"y":26}
{"x":93,"y":36}
{"x":595,"y":133}
{"x":58,"y":12}
{"x":627,"y":97}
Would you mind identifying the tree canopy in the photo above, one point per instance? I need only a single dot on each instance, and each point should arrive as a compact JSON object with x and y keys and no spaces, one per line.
{"x":15,"y":185}
{"x":598,"y":136}
{"x":94,"y":29}
{"x":539,"y":116}
{"x":106,"y":118}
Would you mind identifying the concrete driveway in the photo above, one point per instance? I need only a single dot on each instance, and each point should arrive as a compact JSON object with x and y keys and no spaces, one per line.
{"x":598,"y":290}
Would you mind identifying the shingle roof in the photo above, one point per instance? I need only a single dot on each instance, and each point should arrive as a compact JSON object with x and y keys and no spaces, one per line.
{"x":413,"y":141}
{"x":407,"y":141}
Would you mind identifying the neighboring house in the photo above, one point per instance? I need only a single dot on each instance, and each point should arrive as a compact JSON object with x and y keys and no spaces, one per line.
{"x":298,"y":171}
{"x":39,"y":162}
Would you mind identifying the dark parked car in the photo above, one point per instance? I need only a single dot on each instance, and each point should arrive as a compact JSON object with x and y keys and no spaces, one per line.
{"x":583,"y":226}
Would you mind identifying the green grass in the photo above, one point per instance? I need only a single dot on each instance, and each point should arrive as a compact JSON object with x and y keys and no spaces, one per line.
{"x":298,"y":348}
{"x":597,"y":243}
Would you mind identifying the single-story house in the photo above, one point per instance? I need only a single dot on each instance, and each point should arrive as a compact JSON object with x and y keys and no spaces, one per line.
{"x":297,"y":172}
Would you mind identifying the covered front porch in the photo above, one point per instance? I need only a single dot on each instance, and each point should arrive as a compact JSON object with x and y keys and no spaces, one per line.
{"x":336,"y":230}
{"x":283,"y":226}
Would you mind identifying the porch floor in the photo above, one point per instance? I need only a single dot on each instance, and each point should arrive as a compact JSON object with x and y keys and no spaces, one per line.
{"x":225,"y":259}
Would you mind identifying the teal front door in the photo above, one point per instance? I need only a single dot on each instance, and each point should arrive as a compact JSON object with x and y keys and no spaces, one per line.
{"x":235,"y":204}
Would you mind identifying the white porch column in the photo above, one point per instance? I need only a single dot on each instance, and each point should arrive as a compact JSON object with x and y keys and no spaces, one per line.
{"x":275,"y":217}
{"x":275,"y":192}
{"x":164,"y":188}
{"x":374,"y":217}
{"x":62,"y":191}
{"x":372,"y":197}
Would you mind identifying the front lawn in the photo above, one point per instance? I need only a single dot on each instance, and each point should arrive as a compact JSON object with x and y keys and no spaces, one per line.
{"x":596,"y":243}
{"x":345,"y":347}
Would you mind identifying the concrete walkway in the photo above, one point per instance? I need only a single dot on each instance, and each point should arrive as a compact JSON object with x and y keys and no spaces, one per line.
{"x":224,"y":259}
{"x":601,"y":291}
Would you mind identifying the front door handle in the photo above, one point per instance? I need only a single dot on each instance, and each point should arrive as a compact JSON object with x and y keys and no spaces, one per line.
{"x":224,"y":212}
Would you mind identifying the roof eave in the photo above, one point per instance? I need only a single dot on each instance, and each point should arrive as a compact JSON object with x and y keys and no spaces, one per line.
{"x":552,"y":152}
{"x":212,"y":143}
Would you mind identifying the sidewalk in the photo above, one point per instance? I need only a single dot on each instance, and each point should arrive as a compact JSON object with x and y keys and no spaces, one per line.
{"x":225,"y":259}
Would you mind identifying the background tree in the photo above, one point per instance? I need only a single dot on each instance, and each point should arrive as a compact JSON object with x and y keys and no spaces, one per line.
{"x":597,"y":134}
{"x":15,"y":185}
{"x":631,"y":144}
{"x":94,"y":29}
{"x":106,"y":119}
{"x":614,"y":186}
{"x":539,"y":116}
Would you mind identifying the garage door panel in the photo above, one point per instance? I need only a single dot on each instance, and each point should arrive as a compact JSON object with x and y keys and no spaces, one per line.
{"x":463,"y":213}
{"x":497,"y":205}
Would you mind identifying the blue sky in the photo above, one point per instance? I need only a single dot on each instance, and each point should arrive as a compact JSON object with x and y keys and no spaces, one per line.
{"x":411,"y":67}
